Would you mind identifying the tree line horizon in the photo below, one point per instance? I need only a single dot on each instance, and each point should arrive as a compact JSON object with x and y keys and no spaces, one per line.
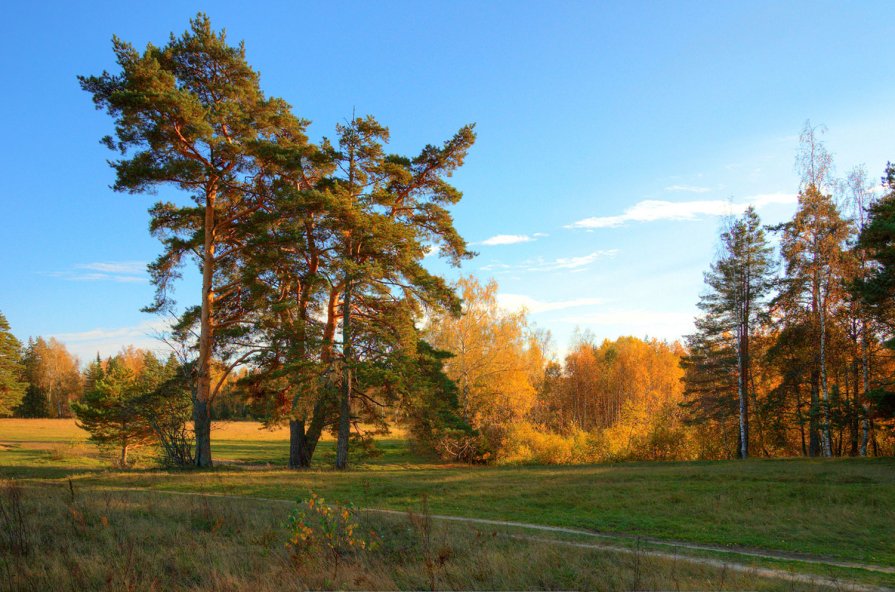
{"x":317,"y":312}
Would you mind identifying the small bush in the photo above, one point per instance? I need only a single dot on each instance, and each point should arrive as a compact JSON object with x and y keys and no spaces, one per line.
{"x":526,"y":443}
{"x":316,"y":527}
{"x":462,"y":446}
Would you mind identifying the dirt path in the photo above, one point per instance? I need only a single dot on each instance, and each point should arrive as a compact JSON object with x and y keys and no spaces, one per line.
{"x":742,"y":551}
{"x":781,"y":574}
{"x":766,"y":572}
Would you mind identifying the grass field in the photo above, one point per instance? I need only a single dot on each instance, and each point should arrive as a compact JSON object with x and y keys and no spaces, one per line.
{"x":47,"y":447}
{"x":842,"y":510}
{"x":139,"y":541}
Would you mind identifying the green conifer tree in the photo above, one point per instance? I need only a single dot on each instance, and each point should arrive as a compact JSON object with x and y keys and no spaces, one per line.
{"x":192,"y":115}
{"x":12,"y":385}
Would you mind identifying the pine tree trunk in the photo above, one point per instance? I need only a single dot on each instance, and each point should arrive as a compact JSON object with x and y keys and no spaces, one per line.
{"x":851,"y":388}
{"x":825,"y":434}
{"x":865,"y":359}
{"x":814,"y":446}
{"x":300,"y":448}
{"x":345,"y":399}
{"x":873,"y":443}
{"x":741,"y":387}
{"x":302,"y":442}
{"x":801,"y":419}
{"x":202,"y":428}
{"x":201,"y":411}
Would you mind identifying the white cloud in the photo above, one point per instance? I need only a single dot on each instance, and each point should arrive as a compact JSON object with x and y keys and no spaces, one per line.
{"x":107,"y":342}
{"x":496,"y":266}
{"x":518,"y":302}
{"x":579,"y":262}
{"x":660,"y":324}
{"x":126,"y":272}
{"x":569,"y":263}
{"x":100,"y":277}
{"x":652,"y":210}
{"x":128,"y":267}
{"x":687,"y":189}
{"x":539,"y":264}
{"x":507,"y":239}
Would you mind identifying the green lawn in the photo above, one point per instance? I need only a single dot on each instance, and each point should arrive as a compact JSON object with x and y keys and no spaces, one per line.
{"x":123,"y":540}
{"x":842,"y":509}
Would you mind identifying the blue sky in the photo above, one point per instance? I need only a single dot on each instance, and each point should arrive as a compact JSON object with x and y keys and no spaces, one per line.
{"x":610,"y":135}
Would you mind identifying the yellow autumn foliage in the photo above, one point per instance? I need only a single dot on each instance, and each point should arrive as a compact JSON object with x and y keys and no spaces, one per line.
{"x":527,"y":443}
{"x":496,"y":358}
{"x":619,"y":400}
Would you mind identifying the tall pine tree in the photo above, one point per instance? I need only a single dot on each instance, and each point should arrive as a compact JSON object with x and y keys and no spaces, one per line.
{"x":739,"y":283}
{"x":12,"y":385}
{"x":192,"y":115}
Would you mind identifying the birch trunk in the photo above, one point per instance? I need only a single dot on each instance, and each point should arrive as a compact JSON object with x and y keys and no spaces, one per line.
{"x":865,"y":381}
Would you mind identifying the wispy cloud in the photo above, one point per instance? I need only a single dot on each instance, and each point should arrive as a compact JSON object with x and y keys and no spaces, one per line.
{"x":130,"y":267}
{"x":518,"y":302}
{"x":687,"y":189}
{"x":652,"y":210}
{"x":108,"y":341}
{"x":507,"y":239}
{"x":539,"y":264}
{"x":578,"y":262}
{"x":110,"y":271}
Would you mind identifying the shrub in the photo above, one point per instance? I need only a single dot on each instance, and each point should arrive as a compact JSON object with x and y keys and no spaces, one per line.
{"x":333,"y":531}
{"x":462,"y":446}
{"x":527,"y":443}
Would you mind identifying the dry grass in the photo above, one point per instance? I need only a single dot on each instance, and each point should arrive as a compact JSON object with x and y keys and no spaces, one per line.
{"x":253,"y":430}
{"x":89,"y":540}
{"x":840,"y":510}
{"x":40,"y":430}
{"x":66,"y":430}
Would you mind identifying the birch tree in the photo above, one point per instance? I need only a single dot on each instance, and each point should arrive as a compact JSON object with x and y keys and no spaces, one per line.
{"x":812,"y":249}
{"x":493,"y":353}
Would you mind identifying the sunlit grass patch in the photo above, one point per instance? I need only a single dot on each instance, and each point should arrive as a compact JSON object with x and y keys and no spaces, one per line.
{"x":91,"y":540}
{"x":842,"y":509}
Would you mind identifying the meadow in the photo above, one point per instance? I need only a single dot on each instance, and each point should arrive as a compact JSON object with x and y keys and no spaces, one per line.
{"x":815,"y":518}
